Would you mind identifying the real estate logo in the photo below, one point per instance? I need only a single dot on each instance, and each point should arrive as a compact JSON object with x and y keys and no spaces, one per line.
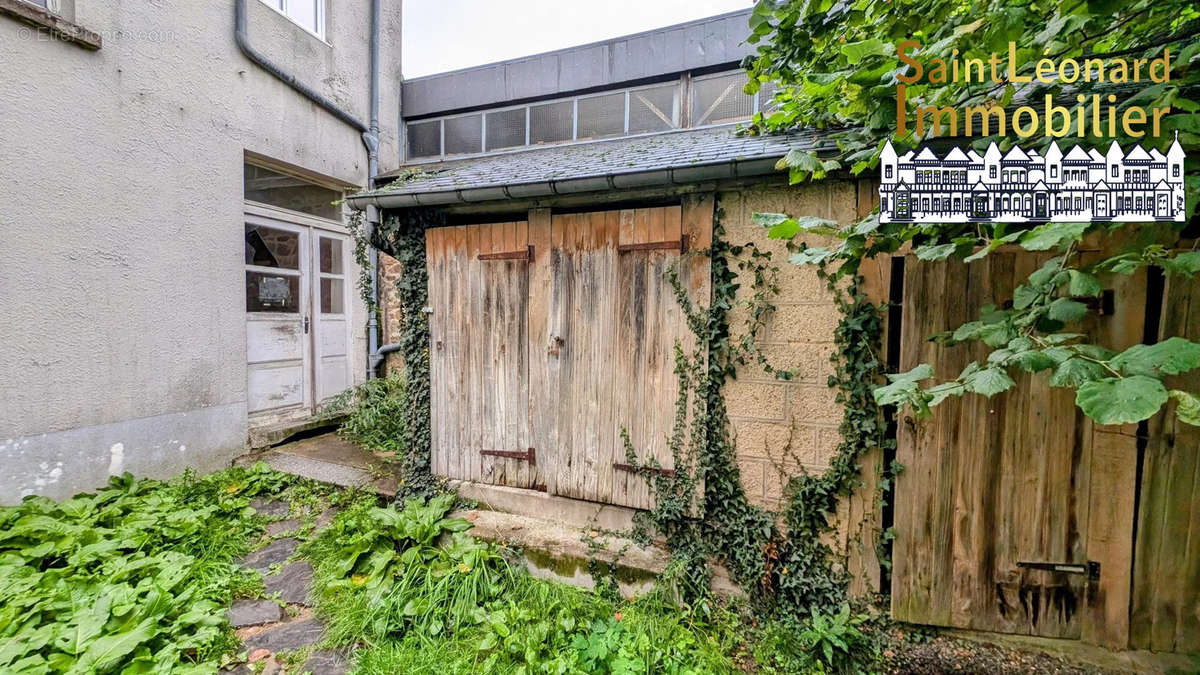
{"x":1022,"y":185}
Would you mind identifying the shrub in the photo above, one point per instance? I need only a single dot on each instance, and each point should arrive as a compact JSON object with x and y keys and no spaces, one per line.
{"x":374,"y":413}
{"x":826,"y":643}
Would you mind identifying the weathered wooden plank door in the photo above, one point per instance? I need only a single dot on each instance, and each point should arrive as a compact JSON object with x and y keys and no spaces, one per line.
{"x":992,"y":485}
{"x":533,"y":383}
{"x":614,"y":325}
{"x":1166,"y":582}
{"x":479,"y":293}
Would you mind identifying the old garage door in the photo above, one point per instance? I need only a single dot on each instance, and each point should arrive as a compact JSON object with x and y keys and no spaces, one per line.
{"x":1015,"y":513}
{"x":551,"y":336}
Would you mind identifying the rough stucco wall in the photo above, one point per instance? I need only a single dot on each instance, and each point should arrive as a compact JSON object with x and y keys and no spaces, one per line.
{"x":783,"y":427}
{"x":121,"y":278}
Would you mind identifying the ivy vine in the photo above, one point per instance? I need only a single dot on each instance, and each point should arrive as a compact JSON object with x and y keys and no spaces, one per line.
{"x":402,"y":234}
{"x":701,"y":509}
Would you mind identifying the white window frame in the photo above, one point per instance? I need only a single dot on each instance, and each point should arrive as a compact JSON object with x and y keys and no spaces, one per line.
{"x":282,"y":10}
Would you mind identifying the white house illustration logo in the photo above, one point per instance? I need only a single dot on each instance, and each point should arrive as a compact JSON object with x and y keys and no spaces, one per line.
{"x":1021,"y":185}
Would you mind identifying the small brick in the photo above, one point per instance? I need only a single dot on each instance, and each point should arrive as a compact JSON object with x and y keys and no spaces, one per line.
{"x":761,"y":440}
{"x":803,"y":323}
{"x":754,"y":399}
{"x":810,"y":361}
{"x":813,"y":404}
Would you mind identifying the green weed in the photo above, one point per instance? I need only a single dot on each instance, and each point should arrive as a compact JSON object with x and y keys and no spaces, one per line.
{"x":133,"y":578}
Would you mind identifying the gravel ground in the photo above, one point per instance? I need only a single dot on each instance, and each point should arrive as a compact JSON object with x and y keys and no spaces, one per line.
{"x":942,"y":654}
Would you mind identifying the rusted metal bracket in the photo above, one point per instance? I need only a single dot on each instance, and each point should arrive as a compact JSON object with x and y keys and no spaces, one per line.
{"x":527,"y":254}
{"x":526,"y":456}
{"x":1091,"y":568}
{"x":682,"y":245}
{"x":620,"y":466}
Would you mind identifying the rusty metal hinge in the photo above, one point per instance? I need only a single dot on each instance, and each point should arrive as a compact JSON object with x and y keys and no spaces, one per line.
{"x":1091,"y":568}
{"x":682,"y":245}
{"x":620,"y":466}
{"x":527,"y":255}
{"x":526,"y":456}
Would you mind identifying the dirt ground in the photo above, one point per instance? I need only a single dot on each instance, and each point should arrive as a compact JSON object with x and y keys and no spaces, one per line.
{"x":943,"y":654}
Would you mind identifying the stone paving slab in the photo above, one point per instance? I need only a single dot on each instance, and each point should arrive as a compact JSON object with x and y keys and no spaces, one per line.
{"x":293,"y":583}
{"x":286,"y":636}
{"x":272,"y":554}
{"x":253,"y":613}
{"x":271,"y":508}
{"x":282,"y":527}
{"x":326,"y":662}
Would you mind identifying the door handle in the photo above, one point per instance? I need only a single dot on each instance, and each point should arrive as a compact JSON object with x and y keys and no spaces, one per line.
{"x":306,"y":325}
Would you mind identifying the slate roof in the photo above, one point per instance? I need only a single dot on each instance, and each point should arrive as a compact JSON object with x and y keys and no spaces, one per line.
{"x":627,"y":155}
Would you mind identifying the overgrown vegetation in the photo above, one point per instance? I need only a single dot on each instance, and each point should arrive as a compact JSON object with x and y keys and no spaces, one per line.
{"x":133,"y":578}
{"x":790,"y":572}
{"x":403,"y":234}
{"x":374,"y":414}
{"x":422,"y":596}
{"x":836,"y":66}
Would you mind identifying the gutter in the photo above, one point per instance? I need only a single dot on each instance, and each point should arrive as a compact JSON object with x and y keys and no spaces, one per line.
{"x":686,"y":175}
{"x":370,"y":133}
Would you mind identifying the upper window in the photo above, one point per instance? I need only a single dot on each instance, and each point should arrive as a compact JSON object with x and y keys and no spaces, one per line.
{"x":269,"y":187}
{"x":309,"y":14}
{"x":715,"y":99}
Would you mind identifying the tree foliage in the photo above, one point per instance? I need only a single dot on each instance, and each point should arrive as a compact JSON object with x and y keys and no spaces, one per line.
{"x":835,"y":66}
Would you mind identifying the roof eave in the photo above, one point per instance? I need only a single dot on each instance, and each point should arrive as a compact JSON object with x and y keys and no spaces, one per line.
{"x":683,"y":175}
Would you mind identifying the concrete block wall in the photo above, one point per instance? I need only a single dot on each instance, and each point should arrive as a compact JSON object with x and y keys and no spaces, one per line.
{"x":782,"y":427}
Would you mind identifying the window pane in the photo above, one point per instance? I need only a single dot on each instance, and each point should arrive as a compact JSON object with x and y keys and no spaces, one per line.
{"x":601,"y":116}
{"x":331,"y":256}
{"x":766,"y":98}
{"x":304,"y":12}
{"x":551,"y":123}
{"x":425,"y":139}
{"x":464,"y":135}
{"x":288,"y":192}
{"x":268,"y":247}
{"x":505,"y":129}
{"x":720,"y":99}
{"x":654,"y":109}
{"x":272,"y":293}
{"x":332,"y":296}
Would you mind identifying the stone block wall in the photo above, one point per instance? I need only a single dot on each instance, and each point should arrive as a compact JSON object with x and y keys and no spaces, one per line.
{"x":389,"y":307}
{"x":784,"y":427}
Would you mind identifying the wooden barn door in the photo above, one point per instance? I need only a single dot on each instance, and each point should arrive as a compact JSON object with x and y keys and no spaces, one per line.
{"x":614,"y":323}
{"x":479,"y":361}
{"x":551,"y":336}
{"x":1013,"y":514}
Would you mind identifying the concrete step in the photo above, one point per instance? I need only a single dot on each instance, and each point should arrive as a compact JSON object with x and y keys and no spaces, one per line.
{"x":552,"y":550}
{"x":329,"y":459}
{"x":265,"y":437}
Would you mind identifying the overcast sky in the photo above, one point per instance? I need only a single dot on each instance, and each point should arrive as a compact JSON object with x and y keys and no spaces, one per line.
{"x":443,"y":35}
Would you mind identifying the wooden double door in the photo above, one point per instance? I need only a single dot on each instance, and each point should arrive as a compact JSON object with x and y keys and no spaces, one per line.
{"x":552,"y":335}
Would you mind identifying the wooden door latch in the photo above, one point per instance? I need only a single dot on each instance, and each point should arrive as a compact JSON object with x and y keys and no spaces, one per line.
{"x":1091,"y":569}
